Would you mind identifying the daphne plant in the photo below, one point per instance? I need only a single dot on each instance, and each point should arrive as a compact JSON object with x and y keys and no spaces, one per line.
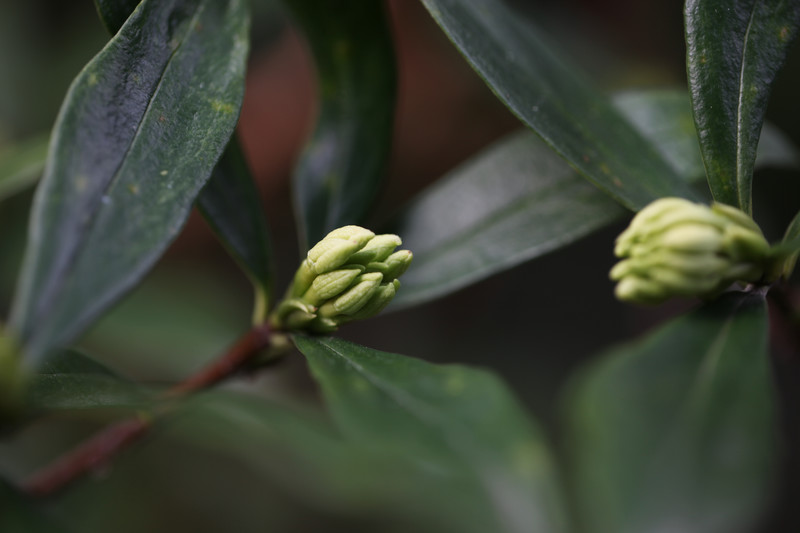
{"x":674,"y":247}
{"x":349,"y":275}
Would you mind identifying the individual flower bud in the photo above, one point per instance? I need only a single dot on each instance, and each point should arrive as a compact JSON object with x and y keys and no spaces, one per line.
{"x":377,"y":249}
{"x":674,"y":247}
{"x":354,"y":298}
{"x":326,"y":286}
{"x":394,"y":265}
{"x":336,"y":248}
{"x":379,"y":300}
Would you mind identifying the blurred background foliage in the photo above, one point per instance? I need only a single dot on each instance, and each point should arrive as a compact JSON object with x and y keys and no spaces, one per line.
{"x":534,"y":324}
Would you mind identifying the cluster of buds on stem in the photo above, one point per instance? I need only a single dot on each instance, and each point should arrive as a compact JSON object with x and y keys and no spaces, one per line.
{"x":349,"y":275}
{"x":674,"y":247}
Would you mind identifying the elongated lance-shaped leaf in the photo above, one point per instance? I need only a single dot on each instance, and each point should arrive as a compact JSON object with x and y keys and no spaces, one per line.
{"x":231,"y":204}
{"x":70,"y":380}
{"x":734,"y":49}
{"x":549,"y":96}
{"x":312,"y":460}
{"x":114,"y":13}
{"x":341,"y":167}
{"x":515,"y":201}
{"x":230,"y":201}
{"x":136,"y":139}
{"x":677,"y":432}
{"x":457,"y":420}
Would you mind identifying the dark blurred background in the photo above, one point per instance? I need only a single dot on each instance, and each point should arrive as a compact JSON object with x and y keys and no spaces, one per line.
{"x":534,"y":324}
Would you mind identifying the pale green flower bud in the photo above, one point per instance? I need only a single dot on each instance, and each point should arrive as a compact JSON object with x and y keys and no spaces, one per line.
{"x":377,"y":249}
{"x":354,"y":298}
{"x":326,"y":286}
{"x":349,"y":270}
{"x":394,"y":265}
{"x":674,"y":247}
{"x":380,"y":299}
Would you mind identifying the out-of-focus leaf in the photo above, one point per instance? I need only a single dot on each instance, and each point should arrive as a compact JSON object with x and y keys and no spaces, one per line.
{"x":21,"y":165}
{"x":172,"y":324}
{"x":734,"y":50}
{"x":342,"y":165}
{"x":114,"y":13}
{"x":71,"y":380}
{"x":139,"y":133}
{"x":664,"y":117}
{"x":548,"y":95}
{"x":515,"y":201}
{"x":454,"y":419}
{"x":230,"y":200}
{"x":307,"y":456}
{"x":18,"y":515}
{"x":676,"y":432}
{"x":231,"y":204}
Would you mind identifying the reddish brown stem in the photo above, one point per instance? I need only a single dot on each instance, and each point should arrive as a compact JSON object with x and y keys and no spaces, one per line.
{"x":89,"y":456}
{"x":98,"y":450}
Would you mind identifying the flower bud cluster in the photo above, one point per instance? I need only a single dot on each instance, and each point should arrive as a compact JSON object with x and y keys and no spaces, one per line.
{"x":349,"y":275}
{"x":674,"y":247}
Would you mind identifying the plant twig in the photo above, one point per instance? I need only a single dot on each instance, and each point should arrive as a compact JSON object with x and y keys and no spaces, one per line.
{"x":98,"y":450}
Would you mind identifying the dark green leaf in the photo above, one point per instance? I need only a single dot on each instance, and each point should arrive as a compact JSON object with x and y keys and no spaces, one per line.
{"x":676,"y":432}
{"x":231,"y":204}
{"x":114,"y":13}
{"x":734,"y":50}
{"x":451,"y":418}
{"x":71,"y":380}
{"x":229,"y":201}
{"x":664,"y":117}
{"x":342,"y":166}
{"x":545,"y":92}
{"x":139,"y":133}
{"x":309,"y":459}
{"x":514,"y":202}
{"x":21,"y":165}
{"x":18,"y":515}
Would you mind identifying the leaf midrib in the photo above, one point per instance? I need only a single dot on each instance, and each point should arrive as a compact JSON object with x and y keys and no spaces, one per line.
{"x":740,"y":194}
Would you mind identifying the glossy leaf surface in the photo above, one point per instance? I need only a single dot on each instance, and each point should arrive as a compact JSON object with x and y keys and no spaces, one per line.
{"x":341,"y":167}
{"x":137,"y":137}
{"x":515,"y":201}
{"x":230,"y":200}
{"x":676,"y":432}
{"x":231,"y":203}
{"x":734,"y":50}
{"x":548,"y":95}
{"x":454,"y":419}
{"x":71,"y":380}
